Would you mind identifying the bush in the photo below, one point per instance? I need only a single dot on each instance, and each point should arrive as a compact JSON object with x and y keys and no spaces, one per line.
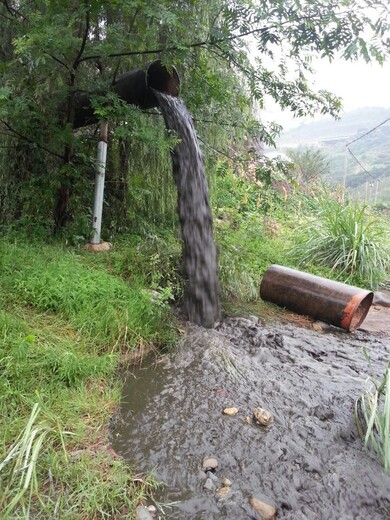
{"x":346,"y":239}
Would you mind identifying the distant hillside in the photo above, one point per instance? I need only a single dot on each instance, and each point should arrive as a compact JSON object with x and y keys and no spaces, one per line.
{"x":371,"y":178}
{"x":350,"y":124}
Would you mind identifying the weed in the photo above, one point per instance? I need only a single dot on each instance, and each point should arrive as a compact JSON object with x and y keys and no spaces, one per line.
{"x":346,"y":239}
{"x":18,"y":470}
{"x":372,"y":415}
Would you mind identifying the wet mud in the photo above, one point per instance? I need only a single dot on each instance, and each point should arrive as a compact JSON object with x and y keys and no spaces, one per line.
{"x":309,"y":462}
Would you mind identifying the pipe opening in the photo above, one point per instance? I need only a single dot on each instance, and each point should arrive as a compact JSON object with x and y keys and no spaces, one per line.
{"x":160,"y":78}
{"x":361,"y":311}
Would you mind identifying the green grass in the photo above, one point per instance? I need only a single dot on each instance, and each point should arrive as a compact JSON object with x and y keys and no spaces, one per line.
{"x":66,"y":319}
{"x":245,"y":251}
{"x":109,"y":311}
{"x":372,"y":415}
{"x":347,"y":239}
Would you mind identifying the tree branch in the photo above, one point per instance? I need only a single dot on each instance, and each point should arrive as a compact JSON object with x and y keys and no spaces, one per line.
{"x":203,"y":43}
{"x":58,"y":60}
{"x":28,"y":140}
{"x":78,"y":59}
{"x":13,"y":12}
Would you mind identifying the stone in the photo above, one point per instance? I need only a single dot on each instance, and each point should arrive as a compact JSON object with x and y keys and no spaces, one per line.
{"x":141,"y":513}
{"x":97,"y":248}
{"x":222,"y":492}
{"x":262,"y":416}
{"x":226,"y":482}
{"x":152,"y":510}
{"x":209,"y":484}
{"x":248,"y":420}
{"x":230,"y":411}
{"x":212,"y":475}
{"x":264,"y":510}
{"x":209,"y":463}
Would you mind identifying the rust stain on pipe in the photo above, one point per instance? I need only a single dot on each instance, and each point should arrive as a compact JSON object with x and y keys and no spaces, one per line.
{"x":333,"y":302}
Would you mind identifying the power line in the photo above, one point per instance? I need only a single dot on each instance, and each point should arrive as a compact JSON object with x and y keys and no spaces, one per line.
{"x":360,"y":164}
{"x":353,"y":155}
{"x":369,"y":132}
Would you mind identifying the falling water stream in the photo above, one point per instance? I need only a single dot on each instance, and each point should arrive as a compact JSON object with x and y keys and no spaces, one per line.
{"x":201,"y":299}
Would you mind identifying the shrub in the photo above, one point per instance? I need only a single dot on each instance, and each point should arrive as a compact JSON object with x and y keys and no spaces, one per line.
{"x":346,"y":239}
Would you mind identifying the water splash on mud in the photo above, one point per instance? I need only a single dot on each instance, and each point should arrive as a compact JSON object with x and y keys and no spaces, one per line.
{"x":310,"y":462}
{"x":201,"y":297}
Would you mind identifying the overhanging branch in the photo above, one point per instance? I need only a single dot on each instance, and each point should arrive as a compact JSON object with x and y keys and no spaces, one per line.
{"x":28,"y":140}
{"x":207,"y":42}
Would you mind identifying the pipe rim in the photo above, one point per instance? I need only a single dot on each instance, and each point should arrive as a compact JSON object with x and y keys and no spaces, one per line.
{"x":356,"y":310}
{"x":160,"y":78}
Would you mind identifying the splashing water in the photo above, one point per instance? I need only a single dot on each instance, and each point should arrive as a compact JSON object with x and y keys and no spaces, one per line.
{"x":201,"y":298}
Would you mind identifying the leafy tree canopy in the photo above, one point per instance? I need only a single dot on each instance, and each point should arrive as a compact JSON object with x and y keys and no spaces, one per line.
{"x":229,"y":53}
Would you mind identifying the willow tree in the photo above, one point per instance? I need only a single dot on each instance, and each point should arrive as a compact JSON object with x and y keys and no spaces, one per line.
{"x":230,"y":55}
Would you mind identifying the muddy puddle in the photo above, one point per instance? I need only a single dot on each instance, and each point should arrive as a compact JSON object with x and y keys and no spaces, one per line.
{"x":309,"y":463}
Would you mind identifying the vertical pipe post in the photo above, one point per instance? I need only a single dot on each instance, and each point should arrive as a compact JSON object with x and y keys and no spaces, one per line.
{"x":99,"y":183}
{"x":376,"y":191}
{"x":345,"y":170}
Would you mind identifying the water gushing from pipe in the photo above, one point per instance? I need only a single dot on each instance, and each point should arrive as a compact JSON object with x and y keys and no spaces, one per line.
{"x":201,"y":299}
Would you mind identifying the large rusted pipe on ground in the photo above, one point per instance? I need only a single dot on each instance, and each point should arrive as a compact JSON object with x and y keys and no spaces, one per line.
{"x":335,"y":303}
{"x":134,"y":87}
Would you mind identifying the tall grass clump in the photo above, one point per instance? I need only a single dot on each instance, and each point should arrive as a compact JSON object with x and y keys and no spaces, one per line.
{"x":345,"y":238}
{"x":372,"y":415}
{"x":18,"y":469}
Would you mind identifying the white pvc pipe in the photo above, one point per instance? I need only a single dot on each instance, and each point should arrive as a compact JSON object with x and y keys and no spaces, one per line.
{"x":99,"y":184}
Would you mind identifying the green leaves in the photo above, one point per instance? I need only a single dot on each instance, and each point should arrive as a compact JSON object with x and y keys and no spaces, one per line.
{"x":347,"y":239}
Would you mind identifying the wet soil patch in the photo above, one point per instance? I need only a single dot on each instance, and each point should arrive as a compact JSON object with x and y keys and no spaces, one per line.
{"x":309,"y":462}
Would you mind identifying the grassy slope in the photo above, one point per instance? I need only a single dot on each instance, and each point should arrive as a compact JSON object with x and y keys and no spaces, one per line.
{"x":64,"y":322}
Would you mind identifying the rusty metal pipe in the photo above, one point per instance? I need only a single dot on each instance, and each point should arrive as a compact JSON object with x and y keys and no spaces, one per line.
{"x":335,"y":303}
{"x":134,"y":87}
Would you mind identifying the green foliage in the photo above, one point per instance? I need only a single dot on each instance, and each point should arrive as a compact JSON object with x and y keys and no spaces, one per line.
{"x":104,"y":307}
{"x":50,"y":51}
{"x":247,"y":241}
{"x":66,"y":319}
{"x":346,"y":238}
{"x":372,"y":415}
{"x":309,"y":163}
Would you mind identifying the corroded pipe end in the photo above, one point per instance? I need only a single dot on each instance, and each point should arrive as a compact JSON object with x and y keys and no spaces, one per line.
{"x":134,"y":87}
{"x":356,"y":310}
{"x":333,"y":302}
{"x":162,"y":79}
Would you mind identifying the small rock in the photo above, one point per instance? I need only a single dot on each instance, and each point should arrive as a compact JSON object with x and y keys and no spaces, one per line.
{"x":222,"y":492}
{"x":266,"y":511}
{"x":152,"y":510}
{"x":141,"y":513}
{"x":212,"y":475}
{"x":209,"y":484}
{"x":209,"y":463}
{"x":317,"y":326}
{"x":320,"y":326}
{"x":262,"y":416}
{"x":230,"y":411}
{"x":248,"y":420}
{"x":226,"y":482}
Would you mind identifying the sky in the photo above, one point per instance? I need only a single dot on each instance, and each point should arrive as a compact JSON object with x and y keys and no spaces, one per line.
{"x":359,"y":84}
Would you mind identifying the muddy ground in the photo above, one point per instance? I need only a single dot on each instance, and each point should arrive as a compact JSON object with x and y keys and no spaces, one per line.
{"x":309,"y":463}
